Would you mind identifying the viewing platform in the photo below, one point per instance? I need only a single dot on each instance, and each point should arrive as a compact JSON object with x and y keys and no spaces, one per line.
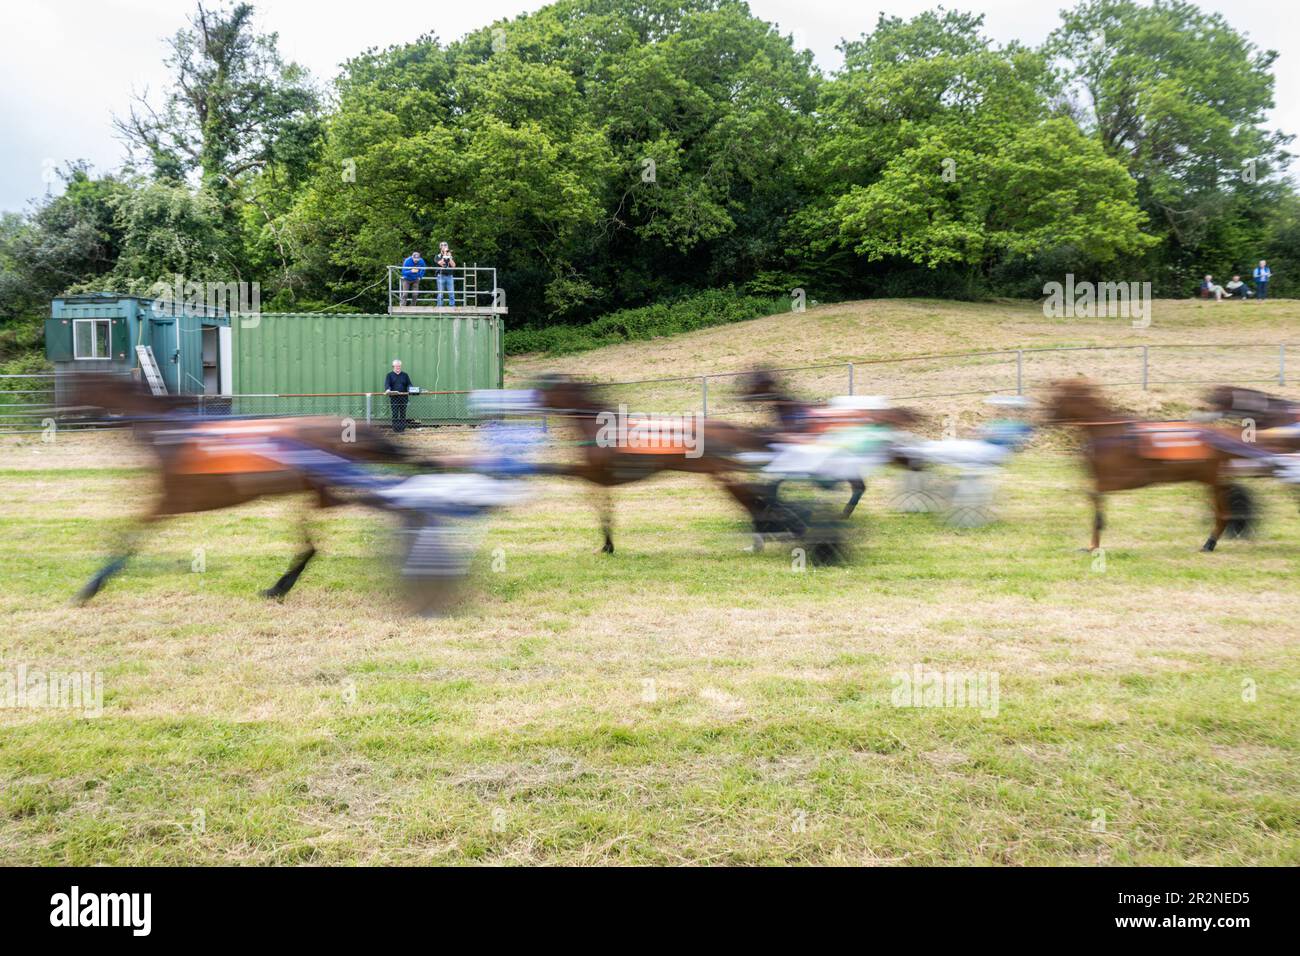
{"x":465,"y":290}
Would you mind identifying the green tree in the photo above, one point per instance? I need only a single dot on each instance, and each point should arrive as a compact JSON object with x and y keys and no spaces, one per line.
{"x":1179,"y":97}
{"x":69,"y":239}
{"x":939,"y":149}
{"x":599,"y":152}
{"x":235,"y":109}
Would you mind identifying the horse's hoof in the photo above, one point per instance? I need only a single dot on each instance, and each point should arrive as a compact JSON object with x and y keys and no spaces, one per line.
{"x":1207,"y":547}
{"x":273,"y":594}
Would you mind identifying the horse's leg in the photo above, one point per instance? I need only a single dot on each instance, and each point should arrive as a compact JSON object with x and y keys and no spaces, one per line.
{"x":858,"y":486}
{"x":1098,"y":520}
{"x":300,"y":561}
{"x":126,"y":549}
{"x":1222,"y":512}
{"x":606,"y":507}
{"x":753,"y":502}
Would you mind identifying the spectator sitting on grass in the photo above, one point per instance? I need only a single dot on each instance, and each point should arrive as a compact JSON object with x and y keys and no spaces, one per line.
{"x":1209,"y":287}
{"x":1236,"y":289}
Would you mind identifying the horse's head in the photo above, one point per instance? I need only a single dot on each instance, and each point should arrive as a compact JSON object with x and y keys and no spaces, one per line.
{"x":563,"y":393}
{"x":117,"y":393}
{"x":902,"y":417}
{"x":1074,"y":401}
{"x":761,"y":385}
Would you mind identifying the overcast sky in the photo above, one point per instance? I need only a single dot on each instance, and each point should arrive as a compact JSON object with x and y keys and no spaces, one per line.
{"x":67,"y":67}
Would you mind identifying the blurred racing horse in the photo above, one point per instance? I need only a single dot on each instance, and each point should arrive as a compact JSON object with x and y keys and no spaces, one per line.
{"x":799,"y":420}
{"x":718,"y":453}
{"x":208,"y":464}
{"x":1275,"y":419}
{"x":1123,"y":453}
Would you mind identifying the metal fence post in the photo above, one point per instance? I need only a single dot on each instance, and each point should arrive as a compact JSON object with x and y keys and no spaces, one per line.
{"x":704,"y":395}
{"x":1281,"y":364}
{"x":850,"y":378}
{"x":369,"y":396}
{"x":1020,"y":371}
{"x":1145,"y":365}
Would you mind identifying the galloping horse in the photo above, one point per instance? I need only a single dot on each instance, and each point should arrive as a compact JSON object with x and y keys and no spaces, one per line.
{"x":1123,"y":453}
{"x":796,"y":418}
{"x":608,"y":464}
{"x":205,"y":465}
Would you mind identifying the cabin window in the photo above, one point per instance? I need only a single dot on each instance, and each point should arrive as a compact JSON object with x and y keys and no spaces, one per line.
{"x":90,"y":339}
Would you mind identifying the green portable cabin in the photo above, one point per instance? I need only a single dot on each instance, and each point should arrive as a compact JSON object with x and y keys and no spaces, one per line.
{"x":328,"y":360}
{"x":284,"y":363}
{"x":100,"y":332}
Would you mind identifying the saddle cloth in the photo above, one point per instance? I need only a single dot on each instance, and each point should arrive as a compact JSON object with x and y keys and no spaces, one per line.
{"x":1172,"y":441}
{"x":230,"y":448}
{"x":656,"y":437}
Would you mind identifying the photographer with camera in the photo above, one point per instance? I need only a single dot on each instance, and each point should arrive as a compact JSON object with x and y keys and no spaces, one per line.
{"x":444,"y":263}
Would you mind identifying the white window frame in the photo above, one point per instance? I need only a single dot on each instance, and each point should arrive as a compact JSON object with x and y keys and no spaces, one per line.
{"x":108,"y":341}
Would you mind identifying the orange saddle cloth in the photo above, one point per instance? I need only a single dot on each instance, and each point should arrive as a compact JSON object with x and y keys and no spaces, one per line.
{"x":653,"y":437}
{"x":229,"y":448}
{"x":1172,"y":441}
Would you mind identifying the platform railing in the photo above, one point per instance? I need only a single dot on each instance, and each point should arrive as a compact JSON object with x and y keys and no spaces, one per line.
{"x":462,"y":289}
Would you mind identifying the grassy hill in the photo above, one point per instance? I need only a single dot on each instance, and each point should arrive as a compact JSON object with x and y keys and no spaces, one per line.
{"x":1189,"y":343}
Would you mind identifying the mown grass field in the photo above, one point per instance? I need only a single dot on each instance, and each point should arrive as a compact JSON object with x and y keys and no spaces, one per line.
{"x":679,"y":702}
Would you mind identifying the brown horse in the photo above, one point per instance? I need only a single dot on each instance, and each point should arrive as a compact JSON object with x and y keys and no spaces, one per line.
{"x":206,"y":465}
{"x":797,"y":420}
{"x":608,"y":464}
{"x":1123,"y":453}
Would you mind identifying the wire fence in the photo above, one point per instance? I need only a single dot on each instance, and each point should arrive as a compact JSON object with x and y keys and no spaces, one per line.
{"x":948,"y":379}
{"x":28,"y":402}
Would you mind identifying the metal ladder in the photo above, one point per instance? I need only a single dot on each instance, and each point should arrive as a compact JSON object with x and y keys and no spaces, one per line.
{"x":149,"y":365}
{"x":470,"y":287}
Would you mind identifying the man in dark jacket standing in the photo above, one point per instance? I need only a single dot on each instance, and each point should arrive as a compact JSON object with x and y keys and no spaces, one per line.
{"x":397,"y":386}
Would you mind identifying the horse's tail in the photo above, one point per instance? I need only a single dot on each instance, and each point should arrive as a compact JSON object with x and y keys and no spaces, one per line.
{"x":1243,"y":514}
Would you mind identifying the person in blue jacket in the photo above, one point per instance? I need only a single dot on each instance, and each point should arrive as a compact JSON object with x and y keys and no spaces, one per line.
{"x":1262,"y":274}
{"x":412,"y":272}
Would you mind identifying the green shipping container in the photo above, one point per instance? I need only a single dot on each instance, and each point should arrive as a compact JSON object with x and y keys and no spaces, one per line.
{"x":321,"y":354}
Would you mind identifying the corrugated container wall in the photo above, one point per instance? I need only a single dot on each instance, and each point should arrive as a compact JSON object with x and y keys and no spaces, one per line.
{"x":315,"y":354}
